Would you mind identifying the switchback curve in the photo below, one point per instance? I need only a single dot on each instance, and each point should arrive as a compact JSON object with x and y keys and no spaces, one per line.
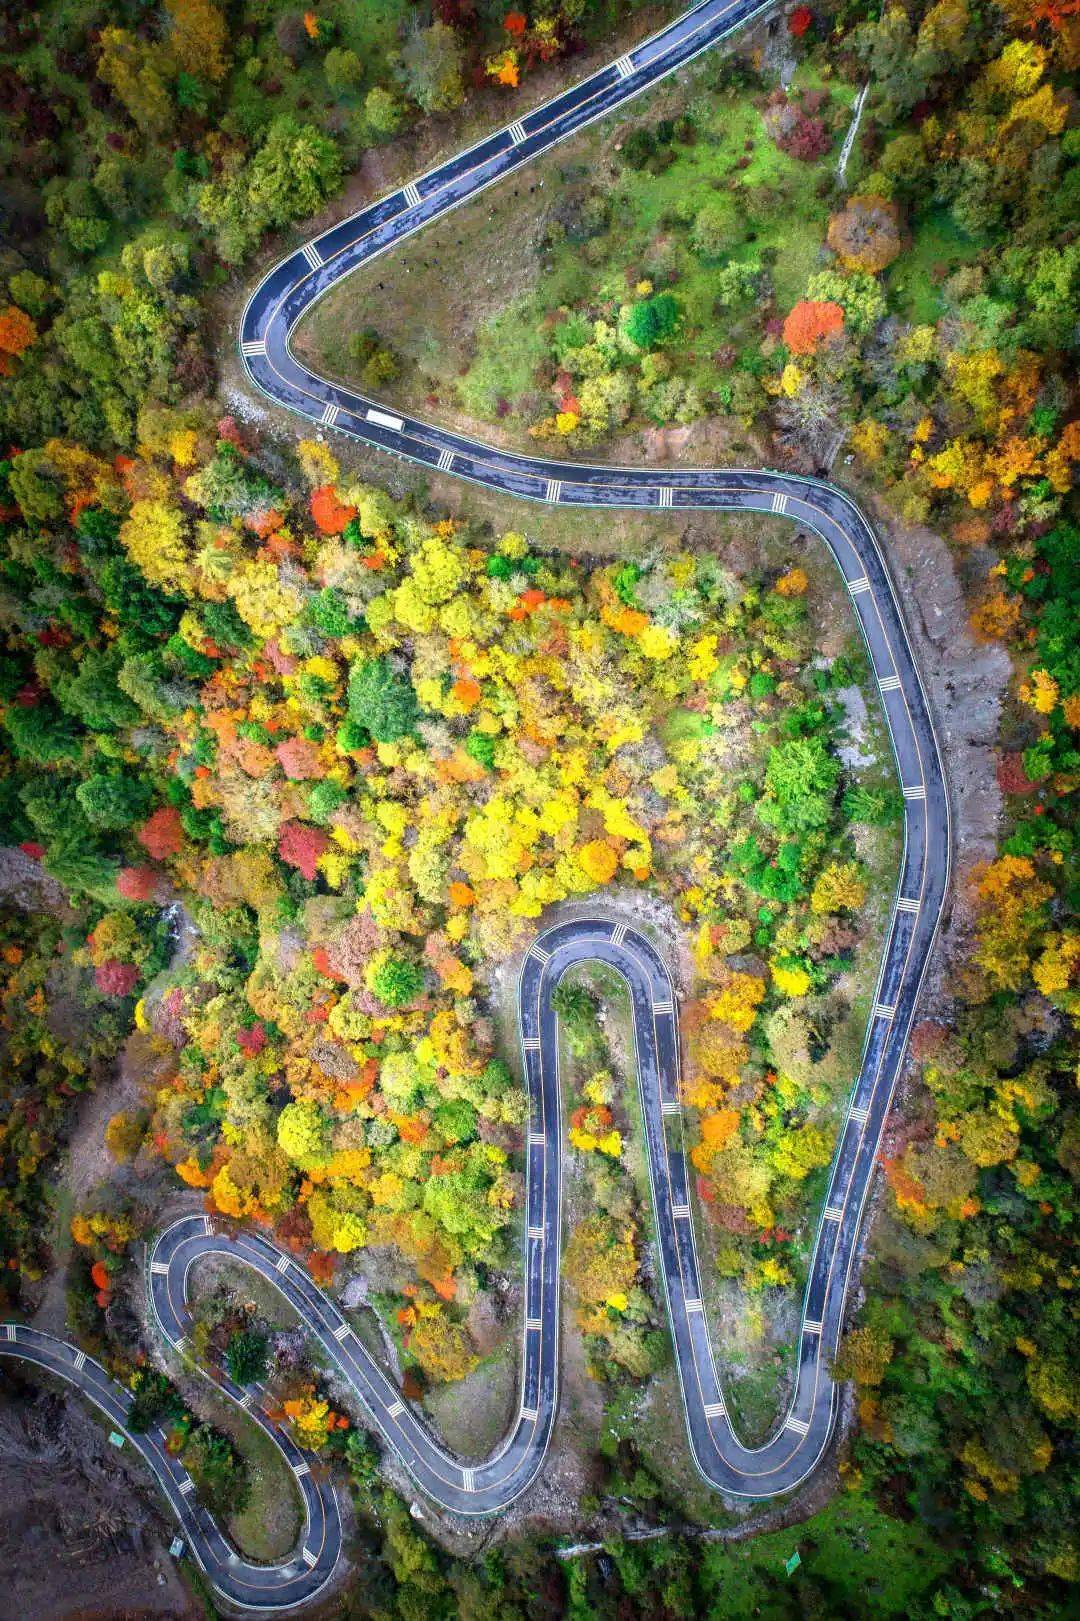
{"x":249,"y":1586}
{"x":270,"y":318}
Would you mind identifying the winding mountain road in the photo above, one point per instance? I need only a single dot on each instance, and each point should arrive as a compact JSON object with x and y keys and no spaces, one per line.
{"x":486,"y":1486}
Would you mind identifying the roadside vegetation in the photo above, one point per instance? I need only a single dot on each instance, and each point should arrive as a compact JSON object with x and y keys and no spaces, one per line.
{"x":354,"y":749}
{"x":633,"y":288}
{"x":699,"y":260}
{"x":349,"y":728}
{"x":617,"y":1309}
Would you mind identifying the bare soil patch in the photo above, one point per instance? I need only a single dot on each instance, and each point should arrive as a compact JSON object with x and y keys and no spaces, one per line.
{"x":82,"y":1534}
{"x":965,"y":683}
{"x":24,"y":882}
{"x":474,"y":1414}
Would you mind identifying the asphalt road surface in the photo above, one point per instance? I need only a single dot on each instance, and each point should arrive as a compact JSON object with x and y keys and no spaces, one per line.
{"x":485,"y":1487}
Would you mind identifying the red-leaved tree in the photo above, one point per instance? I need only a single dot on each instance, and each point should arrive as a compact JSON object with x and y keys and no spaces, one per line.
{"x":137,"y":883}
{"x":115,"y":978}
{"x":162,"y":833}
{"x":300,"y":846}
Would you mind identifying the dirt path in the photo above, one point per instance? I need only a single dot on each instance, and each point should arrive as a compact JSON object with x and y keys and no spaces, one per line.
{"x":86,"y":1163}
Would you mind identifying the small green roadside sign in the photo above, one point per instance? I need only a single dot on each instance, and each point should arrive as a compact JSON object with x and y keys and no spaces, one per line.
{"x":791,"y":1565}
{"x":115,"y":1438}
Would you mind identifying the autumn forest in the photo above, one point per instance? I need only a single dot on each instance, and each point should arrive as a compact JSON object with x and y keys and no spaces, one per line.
{"x":300,"y":748}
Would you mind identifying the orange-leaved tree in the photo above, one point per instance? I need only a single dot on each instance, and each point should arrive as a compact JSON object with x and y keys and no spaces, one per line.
{"x":810,"y":323}
{"x":17,"y":332}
